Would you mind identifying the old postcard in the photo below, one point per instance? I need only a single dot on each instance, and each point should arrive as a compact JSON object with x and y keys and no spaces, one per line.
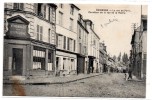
{"x":75,"y":50}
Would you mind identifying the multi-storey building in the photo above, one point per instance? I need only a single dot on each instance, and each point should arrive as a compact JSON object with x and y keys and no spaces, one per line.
{"x":29,"y":39}
{"x":66,"y":29}
{"x":82,"y":46}
{"x":102,"y":57}
{"x":139,"y":49}
{"x":93,"y":45}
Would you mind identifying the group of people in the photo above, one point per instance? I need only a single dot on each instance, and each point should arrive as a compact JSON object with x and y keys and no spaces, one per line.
{"x":129,"y":71}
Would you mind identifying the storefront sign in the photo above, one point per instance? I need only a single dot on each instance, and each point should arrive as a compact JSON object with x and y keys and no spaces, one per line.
{"x":18,"y":29}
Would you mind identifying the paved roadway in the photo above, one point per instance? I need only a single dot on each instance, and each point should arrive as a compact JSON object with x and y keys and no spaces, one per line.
{"x":106,"y":85}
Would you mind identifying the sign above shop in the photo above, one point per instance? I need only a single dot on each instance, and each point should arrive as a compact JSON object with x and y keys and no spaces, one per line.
{"x":18,"y":27}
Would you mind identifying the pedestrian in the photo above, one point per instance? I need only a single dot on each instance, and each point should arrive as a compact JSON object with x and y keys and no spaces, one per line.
{"x":125,"y":73}
{"x":129,"y":73}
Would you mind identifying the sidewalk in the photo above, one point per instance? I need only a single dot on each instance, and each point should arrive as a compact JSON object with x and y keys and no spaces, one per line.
{"x":54,"y":80}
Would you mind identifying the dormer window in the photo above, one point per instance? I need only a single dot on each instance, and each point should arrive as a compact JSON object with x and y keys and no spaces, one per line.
{"x":19,"y":6}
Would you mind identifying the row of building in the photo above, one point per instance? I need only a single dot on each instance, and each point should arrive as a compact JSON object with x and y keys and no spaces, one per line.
{"x":42,"y":39}
{"x":138,"y":52}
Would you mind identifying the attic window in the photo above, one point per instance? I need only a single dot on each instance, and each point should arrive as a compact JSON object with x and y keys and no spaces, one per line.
{"x":19,"y":6}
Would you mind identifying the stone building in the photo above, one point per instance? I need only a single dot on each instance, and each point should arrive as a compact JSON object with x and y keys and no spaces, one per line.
{"x":138,"y":52}
{"x":66,"y":39}
{"x":29,"y":39}
{"x":93,"y":45}
{"x":82,"y":45}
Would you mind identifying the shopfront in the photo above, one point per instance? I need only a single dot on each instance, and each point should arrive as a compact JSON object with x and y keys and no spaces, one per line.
{"x":24,"y":56}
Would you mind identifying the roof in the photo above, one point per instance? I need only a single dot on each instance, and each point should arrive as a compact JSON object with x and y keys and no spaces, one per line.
{"x":75,"y":6}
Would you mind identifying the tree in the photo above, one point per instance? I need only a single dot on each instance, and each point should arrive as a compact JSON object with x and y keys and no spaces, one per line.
{"x":119,"y":57}
{"x":125,"y":58}
{"x":114,"y":58}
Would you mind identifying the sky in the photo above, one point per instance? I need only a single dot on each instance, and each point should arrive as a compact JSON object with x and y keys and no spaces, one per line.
{"x":117,"y":32}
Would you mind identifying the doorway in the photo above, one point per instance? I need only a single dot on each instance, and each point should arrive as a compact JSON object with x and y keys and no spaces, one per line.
{"x":17,"y":63}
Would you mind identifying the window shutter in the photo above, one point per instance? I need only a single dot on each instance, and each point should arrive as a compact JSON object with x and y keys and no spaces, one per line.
{"x":64,"y":43}
{"x":37,"y":32}
{"x":57,"y":40}
{"x":41,"y":33}
{"x":74,"y":45}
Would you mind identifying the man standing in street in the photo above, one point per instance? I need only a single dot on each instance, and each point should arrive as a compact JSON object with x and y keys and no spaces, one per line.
{"x":129,"y":73}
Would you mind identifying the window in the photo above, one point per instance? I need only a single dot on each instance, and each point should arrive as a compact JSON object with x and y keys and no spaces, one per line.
{"x":19,"y":6}
{"x":49,"y":35}
{"x":59,"y":45}
{"x":68,"y":44}
{"x":64,"y":45}
{"x":39,"y":12}
{"x":61,"y":5}
{"x":39,"y":32}
{"x":35,"y":8}
{"x":50,"y":14}
{"x":74,"y":45}
{"x":145,"y":56}
{"x":72,"y":10}
{"x":79,"y":32}
{"x":60,"y":18}
{"x":44,"y":11}
{"x":64,"y":63}
{"x":79,"y":47}
{"x":71,"y":24}
{"x":85,"y":50}
{"x":38,"y":58}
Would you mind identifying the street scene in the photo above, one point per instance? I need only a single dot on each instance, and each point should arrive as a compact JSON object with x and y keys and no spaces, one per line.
{"x":75,"y":50}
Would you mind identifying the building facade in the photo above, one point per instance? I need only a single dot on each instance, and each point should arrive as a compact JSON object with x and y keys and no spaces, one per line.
{"x":29,"y":39}
{"x":103,"y":57}
{"x":138,"y":52}
{"x":82,"y":46}
{"x":66,"y":39}
{"x":93,"y":51}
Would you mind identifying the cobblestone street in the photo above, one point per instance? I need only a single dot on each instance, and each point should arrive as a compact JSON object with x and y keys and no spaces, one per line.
{"x":106,"y":85}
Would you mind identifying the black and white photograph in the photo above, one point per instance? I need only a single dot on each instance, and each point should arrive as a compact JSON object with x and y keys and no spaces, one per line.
{"x":74,"y":50}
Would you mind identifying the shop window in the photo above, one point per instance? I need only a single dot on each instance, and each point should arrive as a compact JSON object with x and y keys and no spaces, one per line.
{"x":38,"y":58}
{"x":19,"y":6}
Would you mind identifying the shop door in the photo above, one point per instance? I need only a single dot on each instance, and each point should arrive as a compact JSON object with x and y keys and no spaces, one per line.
{"x":17,"y":65}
